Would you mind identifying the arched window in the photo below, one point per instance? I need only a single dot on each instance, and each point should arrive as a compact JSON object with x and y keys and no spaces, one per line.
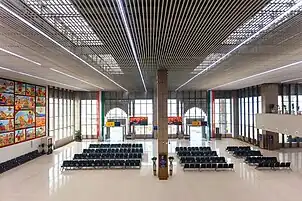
{"x":194,"y":113}
{"x":116,"y":113}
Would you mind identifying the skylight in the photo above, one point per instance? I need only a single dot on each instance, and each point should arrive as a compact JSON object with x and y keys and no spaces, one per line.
{"x":65,"y":18}
{"x":209,"y":60}
{"x":266,"y":16}
{"x":108,"y":63}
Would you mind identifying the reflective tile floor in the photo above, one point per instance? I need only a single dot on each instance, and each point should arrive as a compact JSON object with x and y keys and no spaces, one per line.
{"x":42,"y":179}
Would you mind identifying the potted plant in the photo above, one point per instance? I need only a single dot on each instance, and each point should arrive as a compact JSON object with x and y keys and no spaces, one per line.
{"x":78,"y":136}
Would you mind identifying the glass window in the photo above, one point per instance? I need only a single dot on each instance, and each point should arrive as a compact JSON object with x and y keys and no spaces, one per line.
{"x":62,"y":112}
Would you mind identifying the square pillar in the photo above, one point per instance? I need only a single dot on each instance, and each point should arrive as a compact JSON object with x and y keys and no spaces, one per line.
{"x":235,"y":111}
{"x":269,"y":97}
{"x":162,"y":122}
{"x":154,"y":111}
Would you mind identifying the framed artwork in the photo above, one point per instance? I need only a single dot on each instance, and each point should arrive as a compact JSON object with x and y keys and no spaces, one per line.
{"x":138,"y":121}
{"x":7,"y":139}
{"x":6,"y":86}
{"x":22,"y":112}
{"x":6,"y":99}
{"x":40,"y":101}
{"x":40,"y":116}
{"x":24,"y":103}
{"x":24,"y":119}
{"x":6,"y":125}
{"x":174,"y":121}
{"x":19,"y":88}
{"x":40,"y":91}
{"x":6,"y":112}
{"x":30,"y":133}
{"x":30,"y":90}
{"x":20,"y":135}
{"x":40,"y":131}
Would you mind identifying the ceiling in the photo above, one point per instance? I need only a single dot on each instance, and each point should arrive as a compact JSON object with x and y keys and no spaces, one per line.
{"x":120,"y":44}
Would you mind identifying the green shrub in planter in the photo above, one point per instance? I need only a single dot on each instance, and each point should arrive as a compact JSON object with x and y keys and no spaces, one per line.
{"x":78,"y":136}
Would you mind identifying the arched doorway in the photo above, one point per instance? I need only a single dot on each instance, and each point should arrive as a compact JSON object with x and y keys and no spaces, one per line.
{"x":197,"y":133}
{"x":116,"y":133}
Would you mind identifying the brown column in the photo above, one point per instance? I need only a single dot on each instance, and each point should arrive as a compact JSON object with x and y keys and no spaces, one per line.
{"x":155,"y":110}
{"x":162,"y":122}
{"x":269,"y":97}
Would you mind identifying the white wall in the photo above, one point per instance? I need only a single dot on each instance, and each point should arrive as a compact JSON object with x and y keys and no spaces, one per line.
{"x":13,"y":151}
{"x":280,"y":123}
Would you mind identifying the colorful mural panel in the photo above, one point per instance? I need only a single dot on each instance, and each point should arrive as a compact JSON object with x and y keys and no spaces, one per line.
{"x":40,"y":91}
{"x":7,"y":139}
{"x":40,"y":131}
{"x":6,"y":86}
{"x":19,"y":88}
{"x":40,"y":101}
{"x":6,"y":112}
{"x":20,"y":135}
{"x":30,"y":90}
{"x":22,"y":112}
{"x":6,"y":99}
{"x":24,"y":103}
{"x":24,"y":119}
{"x":30,"y":133}
{"x":6,"y":125}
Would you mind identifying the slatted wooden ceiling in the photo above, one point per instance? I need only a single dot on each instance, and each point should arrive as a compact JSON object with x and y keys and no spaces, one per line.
{"x":176,"y":35}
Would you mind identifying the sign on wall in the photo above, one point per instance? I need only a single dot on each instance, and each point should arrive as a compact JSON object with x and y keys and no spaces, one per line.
{"x":196,"y":123}
{"x":110,"y":124}
{"x":174,"y":121}
{"x":141,"y":121}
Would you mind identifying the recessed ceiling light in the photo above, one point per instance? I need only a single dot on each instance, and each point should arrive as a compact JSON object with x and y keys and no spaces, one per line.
{"x":260,"y":74}
{"x":40,"y":78}
{"x":73,"y":77}
{"x":19,"y":56}
{"x":64,"y":48}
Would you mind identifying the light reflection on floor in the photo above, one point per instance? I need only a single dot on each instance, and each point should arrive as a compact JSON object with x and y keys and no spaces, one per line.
{"x":42,"y":177}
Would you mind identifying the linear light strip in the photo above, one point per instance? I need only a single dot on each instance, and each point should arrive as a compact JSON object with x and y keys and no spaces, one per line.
{"x":291,"y":80}
{"x":260,"y":74}
{"x":40,"y":78}
{"x":19,"y":56}
{"x":122,"y":12}
{"x":244,"y":42}
{"x":73,"y":77}
{"x":64,"y":48}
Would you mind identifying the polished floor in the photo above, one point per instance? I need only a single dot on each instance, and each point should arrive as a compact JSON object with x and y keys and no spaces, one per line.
{"x":42,"y":180}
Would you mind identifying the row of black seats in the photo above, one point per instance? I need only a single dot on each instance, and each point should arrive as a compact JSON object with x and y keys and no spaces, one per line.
{"x":245,"y":153}
{"x":114,"y":150}
{"x":214,"y":159}
{"x":177,"y":149}
{"x":273,"y":165}
{"x":210,"y":166}
{"x":5,"y":166}
{"x":260,"y":159}
{"x":108,"y":156}
{"x":119,"y":145}
{"x":195,"y":153}
{"x":118,"y":163}
{"x":238,"y":148}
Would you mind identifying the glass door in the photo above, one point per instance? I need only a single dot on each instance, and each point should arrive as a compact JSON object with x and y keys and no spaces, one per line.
{"x":196,"y":135}
{"x":116,"y":134}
